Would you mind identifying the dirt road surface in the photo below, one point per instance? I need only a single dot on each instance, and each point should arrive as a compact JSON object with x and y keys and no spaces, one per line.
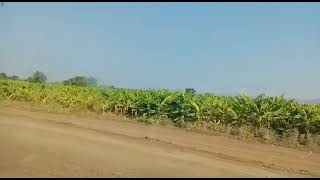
{"x":41,"y":144}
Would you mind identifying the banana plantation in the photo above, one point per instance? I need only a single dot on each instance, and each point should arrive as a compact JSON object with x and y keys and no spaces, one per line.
{"x":275,"y":113}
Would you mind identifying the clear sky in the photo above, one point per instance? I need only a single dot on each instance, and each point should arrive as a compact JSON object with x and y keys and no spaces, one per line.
{"x":213,"y":47}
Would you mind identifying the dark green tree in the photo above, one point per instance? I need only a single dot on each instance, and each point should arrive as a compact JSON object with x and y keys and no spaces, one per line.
{"x":3,"y":76}
{"x":81,"y":81}
{"x":76,"y":81}
{"x":92,"y":82}
{"x":38,"y":77}
{"x":190,"y":90}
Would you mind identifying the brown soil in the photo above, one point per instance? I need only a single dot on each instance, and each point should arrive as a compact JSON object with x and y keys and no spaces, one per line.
{"x":35,"y":143}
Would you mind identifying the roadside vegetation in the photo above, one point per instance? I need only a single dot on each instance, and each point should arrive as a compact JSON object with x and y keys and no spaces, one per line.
{"x":270,"y":119}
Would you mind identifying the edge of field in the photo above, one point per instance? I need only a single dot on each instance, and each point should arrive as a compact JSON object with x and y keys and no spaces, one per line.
{"x":54,"y":109}
{"x":152,"y":136}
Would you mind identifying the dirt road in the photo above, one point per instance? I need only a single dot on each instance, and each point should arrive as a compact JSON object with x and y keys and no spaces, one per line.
{"x":41,"y":144}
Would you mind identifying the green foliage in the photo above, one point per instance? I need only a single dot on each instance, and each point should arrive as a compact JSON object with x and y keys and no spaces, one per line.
{"x":81,"y":81}
{"x":278,"y":114}
{"x":38,"y":77}
{"x":3,"y":76}
{"x":92,"y":82}
{"x":190,"y":90}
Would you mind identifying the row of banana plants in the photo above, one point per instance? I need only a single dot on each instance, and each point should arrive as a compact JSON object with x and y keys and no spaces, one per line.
{"x":276,"y":113}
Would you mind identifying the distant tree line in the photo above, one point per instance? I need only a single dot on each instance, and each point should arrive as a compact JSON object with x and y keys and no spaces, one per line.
{"x":37,"y":77}
{"x":40,"y":77}
{"x":4,"y":76}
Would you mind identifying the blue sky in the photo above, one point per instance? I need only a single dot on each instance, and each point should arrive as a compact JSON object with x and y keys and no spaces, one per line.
{"x":213,"y":47}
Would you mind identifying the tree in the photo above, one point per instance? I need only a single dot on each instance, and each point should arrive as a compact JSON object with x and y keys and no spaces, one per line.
{"x":81,"y":81}
{"x":190,"y":90}
{"x":91,"y":81}
{"x":76,"y":81}
{"x":3,"y":76}
{"x":38,"y":77}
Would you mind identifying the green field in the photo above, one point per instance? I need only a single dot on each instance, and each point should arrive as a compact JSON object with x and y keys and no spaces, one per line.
{"x":182,"y":109}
